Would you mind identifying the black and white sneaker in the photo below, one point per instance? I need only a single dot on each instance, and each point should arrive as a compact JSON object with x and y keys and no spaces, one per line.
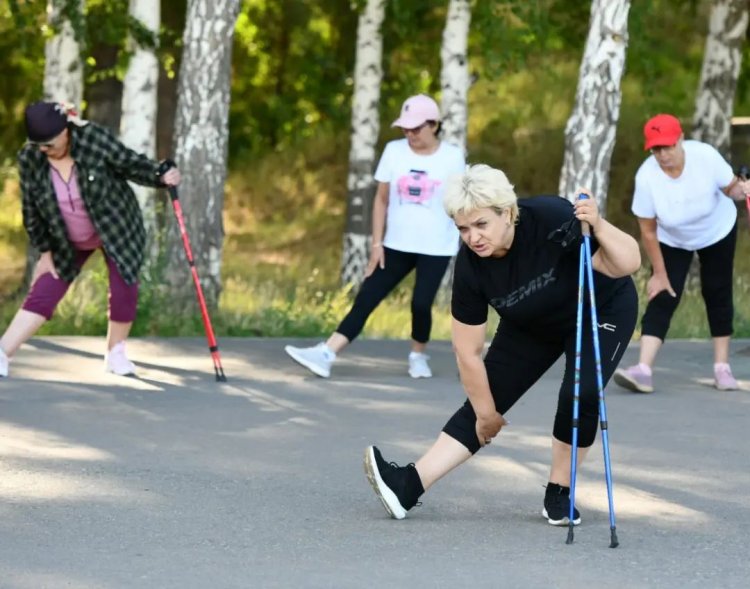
{"x":557,"y":506}
{"x":397,"y":487}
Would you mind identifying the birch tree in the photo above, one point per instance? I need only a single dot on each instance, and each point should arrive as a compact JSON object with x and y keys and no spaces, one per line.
{"x":454,"y":75}
{"x":63,"y":73}
{"x":201,"y":138}
{"x":63,"y":67}
{"x":591,"y":128}
{"x":454,"y":83}
{"x":139,"y":106}
{"x":368,"y":74}
{"x":721,"y":68}
{"x":714,"y":102}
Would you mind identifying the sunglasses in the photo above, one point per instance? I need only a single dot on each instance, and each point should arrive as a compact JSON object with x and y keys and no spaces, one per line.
{"x":416,"y":130}
{"x":39,"y":144}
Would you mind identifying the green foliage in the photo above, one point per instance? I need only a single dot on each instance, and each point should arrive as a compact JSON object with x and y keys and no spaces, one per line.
{"x":291,"y":62}
{"x":22,"y":48}
{"x":412,"y":32}
{"x":507,"y":35}
{"x":289,"y":129}
{"x":281,"y":258}
{"x":668,"y":65}
{"x":24,"y":30}
{"x":109,"y":23}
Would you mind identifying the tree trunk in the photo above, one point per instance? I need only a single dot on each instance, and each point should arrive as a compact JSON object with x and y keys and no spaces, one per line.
{"x":590,"y":132}
{"x":714,"y":103}
{"x":454,"y":76}
{"x":368,"y":75}
{"x":63,"y":82}
{"x":103,"y":96}
{"x":138,"y":121}
{"x":721,"y":68}
{"x":201,"y":138}
{"x":173,"y":19}
{"x":63,"y":69}
{"x":454,"y":82}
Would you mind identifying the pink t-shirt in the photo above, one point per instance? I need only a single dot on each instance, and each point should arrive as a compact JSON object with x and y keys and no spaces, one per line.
{"x":81,"y":230}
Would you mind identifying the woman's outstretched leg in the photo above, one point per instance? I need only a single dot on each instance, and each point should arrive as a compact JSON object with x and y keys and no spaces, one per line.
{"x":399,"y":487}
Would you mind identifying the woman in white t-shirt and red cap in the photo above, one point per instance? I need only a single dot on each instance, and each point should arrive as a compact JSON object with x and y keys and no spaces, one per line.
{"x":410,"y":231}
{"x":682,"y":207}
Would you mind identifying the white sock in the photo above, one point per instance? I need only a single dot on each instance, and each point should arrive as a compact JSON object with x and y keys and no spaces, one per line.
{"x":719,"y":365}
{"x":645,"y":368}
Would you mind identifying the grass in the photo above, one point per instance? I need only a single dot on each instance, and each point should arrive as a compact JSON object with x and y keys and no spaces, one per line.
{"x":288,"y":290}
{"x":284,"y":219}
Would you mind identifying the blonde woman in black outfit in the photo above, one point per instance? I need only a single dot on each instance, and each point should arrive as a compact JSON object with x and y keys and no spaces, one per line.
{"x":521,"y":258}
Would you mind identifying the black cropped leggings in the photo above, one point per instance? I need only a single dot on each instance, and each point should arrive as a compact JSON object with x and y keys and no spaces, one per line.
{"x":517,"y":359}
{"x":716,"y":266}
{"x":377,"y":286}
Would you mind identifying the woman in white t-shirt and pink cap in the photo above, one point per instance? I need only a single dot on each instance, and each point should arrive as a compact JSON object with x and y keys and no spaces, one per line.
{"x":410,"y":231}
{"x":682,"y":207}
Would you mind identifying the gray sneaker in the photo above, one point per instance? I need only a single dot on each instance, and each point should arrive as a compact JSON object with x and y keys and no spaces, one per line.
{"x":634,"y":379}
{"x":418,"y":366}
{"x":317,"y":359}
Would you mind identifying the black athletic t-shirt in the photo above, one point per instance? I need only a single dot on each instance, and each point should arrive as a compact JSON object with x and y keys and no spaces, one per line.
{"x":535,"y":285}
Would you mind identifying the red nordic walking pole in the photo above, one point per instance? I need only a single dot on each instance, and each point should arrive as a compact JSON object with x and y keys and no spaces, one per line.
{"x":213,"y":346}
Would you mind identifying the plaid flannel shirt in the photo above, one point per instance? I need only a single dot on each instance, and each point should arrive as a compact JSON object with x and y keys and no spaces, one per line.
{"x":103,"y":166}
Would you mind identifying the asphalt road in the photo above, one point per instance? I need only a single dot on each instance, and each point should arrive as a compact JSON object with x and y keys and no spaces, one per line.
{"x":172,"y":480}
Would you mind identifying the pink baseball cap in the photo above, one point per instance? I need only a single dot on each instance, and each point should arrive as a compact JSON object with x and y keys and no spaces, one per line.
{"x":417,"y":110}
{"x":661,"y":131}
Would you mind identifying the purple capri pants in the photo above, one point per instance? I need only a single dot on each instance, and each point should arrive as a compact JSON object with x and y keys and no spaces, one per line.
{"x":48,"y":291}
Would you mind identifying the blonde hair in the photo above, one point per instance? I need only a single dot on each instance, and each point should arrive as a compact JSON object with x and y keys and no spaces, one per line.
{"x":480,"y":186}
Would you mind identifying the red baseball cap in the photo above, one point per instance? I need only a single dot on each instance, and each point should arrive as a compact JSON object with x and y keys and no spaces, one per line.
{"x":661,"y":131}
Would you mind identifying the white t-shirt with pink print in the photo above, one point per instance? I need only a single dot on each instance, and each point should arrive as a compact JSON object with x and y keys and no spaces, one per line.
{"x":416,"y":221}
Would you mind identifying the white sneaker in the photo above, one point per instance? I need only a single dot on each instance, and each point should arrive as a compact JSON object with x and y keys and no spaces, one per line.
{"x":117,"y":361}
{"x":317,"y":359}
{"x":4,"y":361}
{"x":418,"y":366}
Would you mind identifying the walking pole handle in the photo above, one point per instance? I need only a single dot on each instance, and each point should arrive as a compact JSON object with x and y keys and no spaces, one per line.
{"x":585,"y":229}
{"x":164,"y":167}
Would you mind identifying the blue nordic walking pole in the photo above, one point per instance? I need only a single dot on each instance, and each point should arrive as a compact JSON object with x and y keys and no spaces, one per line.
{"x":585,"y":262}
{"x":600,"y":390}
{"x":576,"y":393}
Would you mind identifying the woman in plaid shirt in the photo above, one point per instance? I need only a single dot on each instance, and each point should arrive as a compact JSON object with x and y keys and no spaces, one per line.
{"x":76,"y":199}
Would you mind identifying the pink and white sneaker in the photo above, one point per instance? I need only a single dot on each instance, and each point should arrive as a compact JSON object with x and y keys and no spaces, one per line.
{"x":117,"y":361}
{"x":723,"y":378}
{"x":635,"y":378}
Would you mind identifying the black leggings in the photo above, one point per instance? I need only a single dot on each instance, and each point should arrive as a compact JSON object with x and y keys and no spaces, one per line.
{"x":517,"y":359}
{"x":379,"y":284}
{"x":716,"y":264}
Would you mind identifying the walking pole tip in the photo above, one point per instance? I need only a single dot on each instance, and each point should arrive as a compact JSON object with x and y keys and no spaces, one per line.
{"x":613,"y":541}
